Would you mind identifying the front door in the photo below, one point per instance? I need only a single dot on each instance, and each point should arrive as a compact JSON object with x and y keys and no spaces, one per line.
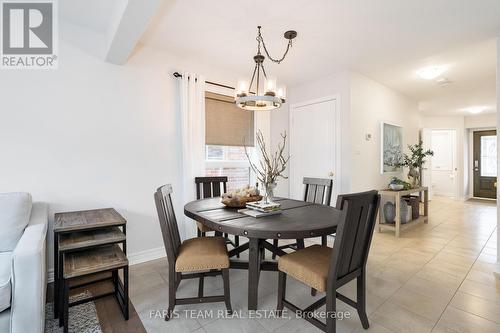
{"x":485,"y":164}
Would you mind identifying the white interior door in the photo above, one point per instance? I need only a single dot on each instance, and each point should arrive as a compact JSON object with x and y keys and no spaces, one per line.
{"x":444,"y":180}
{"x":313,"y":144}
{"x":427,"y":168}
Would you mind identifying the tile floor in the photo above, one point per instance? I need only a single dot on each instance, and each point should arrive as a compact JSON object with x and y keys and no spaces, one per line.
{"x":437,"y":277}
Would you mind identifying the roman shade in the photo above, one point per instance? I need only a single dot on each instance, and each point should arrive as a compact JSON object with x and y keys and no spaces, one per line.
{"x":225,"y":123}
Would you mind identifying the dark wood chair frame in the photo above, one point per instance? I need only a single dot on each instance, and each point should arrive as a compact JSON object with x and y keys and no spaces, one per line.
{"x":319,"y":191}
{"x":172,"y":241}
{"x":209,"y":187}
{"x":348,"y":260}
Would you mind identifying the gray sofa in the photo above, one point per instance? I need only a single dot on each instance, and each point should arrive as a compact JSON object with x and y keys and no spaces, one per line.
{"x":23,"y":269}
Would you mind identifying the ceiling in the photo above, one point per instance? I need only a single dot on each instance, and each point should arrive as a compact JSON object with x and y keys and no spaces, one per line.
{"x":93,"y":14}
{"x":387,"y":40}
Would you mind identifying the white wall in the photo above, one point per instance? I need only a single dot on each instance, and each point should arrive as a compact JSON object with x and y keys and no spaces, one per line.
{"x":372,"y":103}
{"x":92,"y":134}
{"x":498,"y":148}
{"x":337,"y":84}
{"x":481,"y":121}
{"x":364,"y":103}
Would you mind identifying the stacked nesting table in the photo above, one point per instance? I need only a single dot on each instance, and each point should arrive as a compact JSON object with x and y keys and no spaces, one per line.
{"x":87,"y":243}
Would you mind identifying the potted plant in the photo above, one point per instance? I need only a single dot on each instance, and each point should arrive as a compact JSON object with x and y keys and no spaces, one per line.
{"x":414,"y":161}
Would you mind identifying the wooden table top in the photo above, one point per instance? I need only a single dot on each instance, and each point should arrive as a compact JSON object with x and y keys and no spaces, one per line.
{"x":90,"y":238}
{"x":87,"y":219}
{"x":95,"y":260}
{"x":298,"y":219}
{"x":388,"y":191}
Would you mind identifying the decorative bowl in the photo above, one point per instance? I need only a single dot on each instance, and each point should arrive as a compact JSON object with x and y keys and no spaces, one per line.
{"x":396,"y":187}
{"x":239,"y":202}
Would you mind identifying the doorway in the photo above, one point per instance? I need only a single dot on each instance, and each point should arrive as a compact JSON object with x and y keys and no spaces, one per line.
{"x":444,"y":162}
{"x":485,"y":164}
{"x":314,"y":144}
{"x":440,"y":172}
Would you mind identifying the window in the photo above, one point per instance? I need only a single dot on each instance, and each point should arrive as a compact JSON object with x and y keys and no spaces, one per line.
{"x":227,"y":129}
{"x":489,"y":156}
{"x":228,"y":161}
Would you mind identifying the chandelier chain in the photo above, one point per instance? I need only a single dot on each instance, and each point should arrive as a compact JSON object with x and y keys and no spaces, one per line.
{"x":260,"y":39}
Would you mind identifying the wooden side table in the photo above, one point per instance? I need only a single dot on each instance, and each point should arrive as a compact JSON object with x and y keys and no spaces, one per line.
{"x":78,"y":235}
{"x":109,"y":258}
{"x":397,"y":227}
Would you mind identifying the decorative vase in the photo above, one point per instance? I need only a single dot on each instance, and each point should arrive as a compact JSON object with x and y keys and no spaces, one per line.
{"x":414,"y":177}
{"x":389,"y":212}
{"x":268,"y":192}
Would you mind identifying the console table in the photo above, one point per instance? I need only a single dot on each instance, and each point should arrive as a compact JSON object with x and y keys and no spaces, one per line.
{"x":85,"y":243}
{"x":397,"y":227}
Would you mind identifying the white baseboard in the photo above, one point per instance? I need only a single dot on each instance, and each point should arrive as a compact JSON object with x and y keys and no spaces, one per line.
{"x":147,"y":255}
{"x":133,"y":259}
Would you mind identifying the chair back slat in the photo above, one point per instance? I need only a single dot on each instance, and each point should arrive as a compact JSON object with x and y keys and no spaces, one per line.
{"x":209,"y":187}
{"x":319,"y":195}
{"x":354,"y":233}
{"x":168,"y":222}
{"x":318,"y":190}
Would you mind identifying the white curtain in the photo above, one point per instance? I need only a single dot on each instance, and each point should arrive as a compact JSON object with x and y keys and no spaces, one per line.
{"x":192,"y":103}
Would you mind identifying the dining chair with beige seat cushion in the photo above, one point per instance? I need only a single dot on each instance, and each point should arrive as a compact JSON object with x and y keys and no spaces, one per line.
{"x":326,"y":269}
{"x":193,"y":258}
{"x":209,"y":187}
{"x":318,"y":191}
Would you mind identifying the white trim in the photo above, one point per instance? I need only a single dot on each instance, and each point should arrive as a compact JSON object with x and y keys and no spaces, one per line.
{"x":146,"y":255}
{"x":133,"y":259}
{"x":338,"y":138}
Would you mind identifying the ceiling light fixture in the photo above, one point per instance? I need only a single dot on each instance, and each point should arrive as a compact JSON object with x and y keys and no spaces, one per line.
{"x":475,"y":109}
{"x":431,"y":72}
{"x":265,"y":96}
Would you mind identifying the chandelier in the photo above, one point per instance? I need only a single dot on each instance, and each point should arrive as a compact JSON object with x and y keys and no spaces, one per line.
{"x":262,"y":94}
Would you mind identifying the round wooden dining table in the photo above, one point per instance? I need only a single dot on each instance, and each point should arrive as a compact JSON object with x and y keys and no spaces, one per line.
{"x":298,"y":220}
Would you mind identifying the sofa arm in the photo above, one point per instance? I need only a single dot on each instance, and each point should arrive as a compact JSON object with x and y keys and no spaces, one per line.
{"x":29,"y":275}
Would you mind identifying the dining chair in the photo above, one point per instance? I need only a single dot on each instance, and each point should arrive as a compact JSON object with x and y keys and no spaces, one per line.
{"x":209,"y":187}
{"x":316,"y":190}
{"x":191,"y":259}
{"x":327,"y":269}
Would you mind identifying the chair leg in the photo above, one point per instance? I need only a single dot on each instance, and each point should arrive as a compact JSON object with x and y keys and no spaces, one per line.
{"x":198,"y":232}
{"x":227,"y":294}
{"x":324,"y":240}
{"x":172,"y":289}
{"x":300,"y":244}
{"x":237,"y":243}
{"x":361,"y":300}
{"x":281,"y":291}
{"x":200,"y":285}
{"x":125,"y":292}
{"x":275,"y":244}
{"x":331,"y":309}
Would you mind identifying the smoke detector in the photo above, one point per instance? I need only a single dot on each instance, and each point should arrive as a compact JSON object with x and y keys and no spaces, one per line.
{"x":443,"y":81}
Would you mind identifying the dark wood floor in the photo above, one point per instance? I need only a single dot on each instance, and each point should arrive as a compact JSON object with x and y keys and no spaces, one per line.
{"x":108,"y":310}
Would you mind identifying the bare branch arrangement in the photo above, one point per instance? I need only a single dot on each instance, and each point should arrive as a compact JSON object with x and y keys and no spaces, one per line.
{"x":271,"y":166}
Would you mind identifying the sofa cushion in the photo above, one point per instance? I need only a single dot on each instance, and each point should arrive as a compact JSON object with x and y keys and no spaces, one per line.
{"x":15,"y":211}
{"x":5,"y":285}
